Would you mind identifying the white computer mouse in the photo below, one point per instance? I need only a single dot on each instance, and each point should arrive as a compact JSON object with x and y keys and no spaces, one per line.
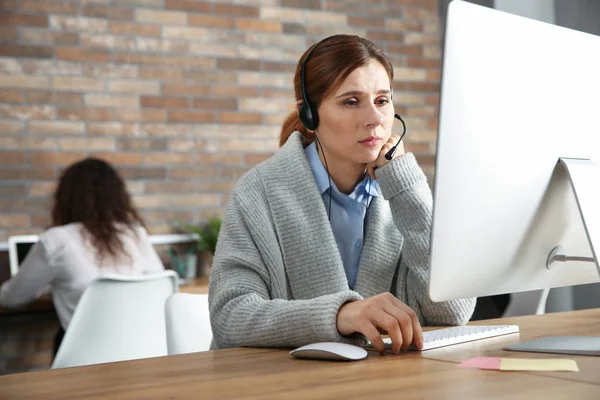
{"x":330,"y":351}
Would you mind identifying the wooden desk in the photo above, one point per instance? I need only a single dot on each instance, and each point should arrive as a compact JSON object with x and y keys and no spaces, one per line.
{"x":273,"y":374}
{"x":574,"y":323}
{"x":196,"y":286}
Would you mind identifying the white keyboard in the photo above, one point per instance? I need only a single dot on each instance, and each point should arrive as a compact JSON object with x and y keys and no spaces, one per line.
{"x":457,"y":334}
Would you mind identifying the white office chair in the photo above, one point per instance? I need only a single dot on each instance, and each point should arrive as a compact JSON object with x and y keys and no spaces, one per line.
{"x":118,"y":318}
{"x":188,"y":323}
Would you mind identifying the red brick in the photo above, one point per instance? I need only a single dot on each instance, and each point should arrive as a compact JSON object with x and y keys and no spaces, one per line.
{"x":386,"y":36}
{"x":13,"y":158}
{"x":49,"y":7}
{"x":24,"y":112}
{"x":274,"y":66}
{"x":191,"y":116}
{"x":185,"y":89}
{"x":211,"y":21}
{"x":9,"y":5}
{"x":215,"y":186}
{"x":135,"y":29}
{"x":143,"y":172}
{"x":417,"y":86}
{"x":366,"y":22}
{"x":128,"y":144}
{"x":112,"y":128}
{"x":405,"y":49}
{"x":244,"y":11}
{"x":87,"y":144}
{"x":42,"y":221}
{"x":54,"y":158}
{"x":170,"y":215}
{"x":238,"y":64}
{"x":140,"y":115}
{"x":161,"y":17}
{"x":164,"y":102}
{"x":23,"y":20}
{"x":27,"y":174}
{"x":236,"y":91}
{"x":212,"y":103}
{"x":8,"y":50}
{"x":166,"y":130}
{"x":196,"y":200}
{"x":186,"y":5}
{"x":422,"y":62}
{"x":120,"y":158}
{"x":110,"y":100}
{"x":107,"y":12}
{"x":276,"y":92}
{"x":259,"y":25}
{"x":84,"y":114}
{"x":255,"y":158}
{"x":10,"y":96}
{"x":192,"y":172}
{"x":187,"y":145}
{"x":219,"y":159}
{"x":52,"y":97}
{"x":212,"y":76}
{"x":239,"y":118}
{"x":11,"y":191}
{"x":26,"y":143}
{"x":163,"y":74}
{"x":85,"y":55}
{"x":51,"y":128}
{"x":308,"y":4}
{"x":77,"y":84}
{"x":9,"y":35}
{"x":168,"y":158}
{"x":41,"y":36}
{"x":23,"y":81}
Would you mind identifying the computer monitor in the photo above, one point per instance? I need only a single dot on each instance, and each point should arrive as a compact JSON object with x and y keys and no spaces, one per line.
{"x":517,"y":96}
{"x":18,"y":247}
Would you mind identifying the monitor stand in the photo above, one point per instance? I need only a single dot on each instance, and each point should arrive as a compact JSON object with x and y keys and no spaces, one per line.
{"x":584,"y":177}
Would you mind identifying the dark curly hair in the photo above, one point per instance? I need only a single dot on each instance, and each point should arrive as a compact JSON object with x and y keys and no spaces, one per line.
{"x":92,"y":192}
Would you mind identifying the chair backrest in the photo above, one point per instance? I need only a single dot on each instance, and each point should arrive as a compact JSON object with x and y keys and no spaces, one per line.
{"x":118,"y":318}
{"x":188,"y":323}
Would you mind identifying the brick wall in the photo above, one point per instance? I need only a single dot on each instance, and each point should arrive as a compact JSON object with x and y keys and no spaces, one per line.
{"x":182,"y":96}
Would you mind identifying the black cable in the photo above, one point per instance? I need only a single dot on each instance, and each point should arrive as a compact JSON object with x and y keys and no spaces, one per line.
{"x":390,"y":154}
{"x":328,"y":177}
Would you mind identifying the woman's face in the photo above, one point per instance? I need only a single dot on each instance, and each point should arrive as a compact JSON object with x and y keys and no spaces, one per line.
{"x":356,"y":121}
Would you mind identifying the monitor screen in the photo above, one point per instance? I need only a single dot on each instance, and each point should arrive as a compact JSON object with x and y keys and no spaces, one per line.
{"x":23,"y":250}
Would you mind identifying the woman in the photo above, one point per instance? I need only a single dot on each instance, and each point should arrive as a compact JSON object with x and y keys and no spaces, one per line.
{"x":95,"y":230}
{"x":327,"y":240}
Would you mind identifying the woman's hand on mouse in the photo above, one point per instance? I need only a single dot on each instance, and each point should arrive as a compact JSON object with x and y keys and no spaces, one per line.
{"x":379,"y":314}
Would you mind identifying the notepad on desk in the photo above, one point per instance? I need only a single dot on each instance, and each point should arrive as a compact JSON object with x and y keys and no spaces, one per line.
{"x":521,"y":364}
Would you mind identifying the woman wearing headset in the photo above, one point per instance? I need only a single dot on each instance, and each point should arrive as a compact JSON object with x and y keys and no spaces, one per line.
{"x":327,"y":240}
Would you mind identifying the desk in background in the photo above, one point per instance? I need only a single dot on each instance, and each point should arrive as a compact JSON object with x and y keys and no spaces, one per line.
{"x":273,"y":374}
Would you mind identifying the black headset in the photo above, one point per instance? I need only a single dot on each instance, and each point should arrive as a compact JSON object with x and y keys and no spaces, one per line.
{"x":308,"y":112}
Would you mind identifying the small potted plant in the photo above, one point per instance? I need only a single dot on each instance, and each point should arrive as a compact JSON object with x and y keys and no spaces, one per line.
{"x":208,"y":234}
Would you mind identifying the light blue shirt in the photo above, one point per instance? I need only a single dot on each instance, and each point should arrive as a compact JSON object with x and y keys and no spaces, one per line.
{"x":348,"y":212}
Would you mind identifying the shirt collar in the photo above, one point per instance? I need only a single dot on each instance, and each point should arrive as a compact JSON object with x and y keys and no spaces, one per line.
{"x":367,"y":185}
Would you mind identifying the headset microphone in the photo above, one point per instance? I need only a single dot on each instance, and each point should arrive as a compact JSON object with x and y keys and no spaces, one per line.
{"x":390,"y":154}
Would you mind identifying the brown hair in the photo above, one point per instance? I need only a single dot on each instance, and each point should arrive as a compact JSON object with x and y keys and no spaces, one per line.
{"x":329,"y":64}
{"x":92,"y":192}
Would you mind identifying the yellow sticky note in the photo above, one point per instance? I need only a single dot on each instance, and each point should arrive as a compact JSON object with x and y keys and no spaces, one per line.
{"x":550,"y":364}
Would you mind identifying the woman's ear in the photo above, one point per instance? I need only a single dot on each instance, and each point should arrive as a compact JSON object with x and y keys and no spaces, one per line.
{"x":298,"y":104}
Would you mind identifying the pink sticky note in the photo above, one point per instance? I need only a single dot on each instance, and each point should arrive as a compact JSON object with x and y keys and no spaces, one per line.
{"x":481,"y":363}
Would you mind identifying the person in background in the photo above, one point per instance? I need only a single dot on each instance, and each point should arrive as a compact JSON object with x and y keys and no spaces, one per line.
{"x":328,"y":240}
{"x":95,"y":230}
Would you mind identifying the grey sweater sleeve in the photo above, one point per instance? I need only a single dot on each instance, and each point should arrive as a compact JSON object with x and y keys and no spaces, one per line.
{"x":247,"y":297}
{"x":404,"y":185}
